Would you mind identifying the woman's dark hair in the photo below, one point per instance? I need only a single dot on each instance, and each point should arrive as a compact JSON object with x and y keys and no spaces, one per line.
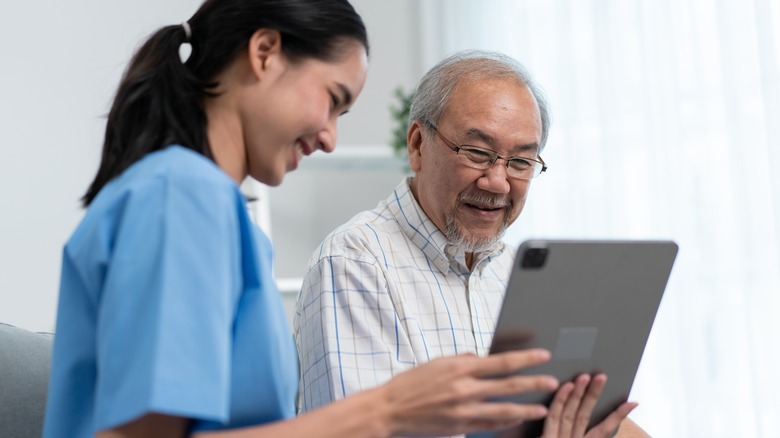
{"x":160,"y":99}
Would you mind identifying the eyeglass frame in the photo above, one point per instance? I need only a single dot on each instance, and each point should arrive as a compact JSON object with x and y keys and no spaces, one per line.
{"x":493,"y":154}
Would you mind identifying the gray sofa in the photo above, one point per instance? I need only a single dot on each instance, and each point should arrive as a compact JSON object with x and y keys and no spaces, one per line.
{"x":24,"y":377}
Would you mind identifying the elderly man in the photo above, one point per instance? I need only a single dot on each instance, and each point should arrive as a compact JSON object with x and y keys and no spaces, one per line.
{"x":424,"y":273}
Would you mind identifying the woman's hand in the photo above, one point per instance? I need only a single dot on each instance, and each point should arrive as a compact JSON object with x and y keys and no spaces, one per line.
{"x":572,"y":406}
{"x":450,"y":395}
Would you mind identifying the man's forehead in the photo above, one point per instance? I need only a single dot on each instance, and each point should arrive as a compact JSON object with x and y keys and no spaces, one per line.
{"x":503,"y":107}
{"x":470,"y":97}
{"x":471,"y":86}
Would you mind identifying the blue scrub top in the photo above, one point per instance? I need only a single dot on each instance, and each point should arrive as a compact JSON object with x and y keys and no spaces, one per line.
{"x":167,"y":304}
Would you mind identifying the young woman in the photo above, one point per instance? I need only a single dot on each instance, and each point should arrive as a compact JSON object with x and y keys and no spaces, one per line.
{"x":169,"y":323}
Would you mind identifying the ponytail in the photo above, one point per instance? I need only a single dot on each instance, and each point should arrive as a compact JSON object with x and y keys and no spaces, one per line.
{"x":160,"y":100}
{"x":158,"y":103}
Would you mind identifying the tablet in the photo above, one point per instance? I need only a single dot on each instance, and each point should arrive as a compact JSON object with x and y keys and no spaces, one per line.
{"x":592,"y":304}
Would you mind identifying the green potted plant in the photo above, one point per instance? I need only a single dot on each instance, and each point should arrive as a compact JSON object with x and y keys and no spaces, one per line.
{"x":400,"y":115}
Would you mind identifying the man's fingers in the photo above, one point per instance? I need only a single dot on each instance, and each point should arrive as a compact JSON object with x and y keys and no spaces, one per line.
{"x":552,"y":423}
{"x":595,"y":388}
{"x":573,"y":404}
{"x":613,"y":420}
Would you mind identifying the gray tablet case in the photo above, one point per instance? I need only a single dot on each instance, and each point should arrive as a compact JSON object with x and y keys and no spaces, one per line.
{"x":592,"y":304}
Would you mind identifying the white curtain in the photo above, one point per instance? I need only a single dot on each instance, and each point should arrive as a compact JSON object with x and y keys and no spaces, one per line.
{"x":666,"y":124}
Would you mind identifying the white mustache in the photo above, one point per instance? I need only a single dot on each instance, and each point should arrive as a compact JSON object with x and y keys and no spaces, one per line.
{"x":485,"y":199}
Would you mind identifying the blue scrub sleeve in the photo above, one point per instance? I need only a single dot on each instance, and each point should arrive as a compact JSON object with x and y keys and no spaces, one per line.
{"x":168,"y":304}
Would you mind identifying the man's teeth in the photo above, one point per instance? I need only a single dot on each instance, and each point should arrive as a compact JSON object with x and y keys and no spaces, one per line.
{"x":485,"y":208}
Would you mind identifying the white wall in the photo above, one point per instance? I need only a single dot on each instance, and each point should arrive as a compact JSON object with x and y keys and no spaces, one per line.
{"x":61,"y":62}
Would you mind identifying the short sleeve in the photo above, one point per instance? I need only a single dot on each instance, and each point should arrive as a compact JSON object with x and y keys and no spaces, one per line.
{"x":167,"y":305}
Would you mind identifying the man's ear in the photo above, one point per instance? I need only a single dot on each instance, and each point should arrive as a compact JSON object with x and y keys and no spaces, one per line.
{"x":414,"y":140}
{"x":264,"y":50}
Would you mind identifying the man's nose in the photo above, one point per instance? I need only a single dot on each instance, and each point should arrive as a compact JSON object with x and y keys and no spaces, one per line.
{"x":495,"y":179}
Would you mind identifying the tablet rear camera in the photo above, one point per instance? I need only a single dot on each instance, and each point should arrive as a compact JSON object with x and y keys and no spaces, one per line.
{"x":534,"y":258}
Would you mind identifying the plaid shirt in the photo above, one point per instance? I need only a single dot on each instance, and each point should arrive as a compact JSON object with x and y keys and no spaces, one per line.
{"x":385,"y":292}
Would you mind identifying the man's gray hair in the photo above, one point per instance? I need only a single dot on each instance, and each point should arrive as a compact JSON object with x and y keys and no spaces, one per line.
{"x":436,"y":87}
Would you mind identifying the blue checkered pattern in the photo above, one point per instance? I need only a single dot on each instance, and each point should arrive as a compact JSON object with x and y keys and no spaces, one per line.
{"x":385,"y":292}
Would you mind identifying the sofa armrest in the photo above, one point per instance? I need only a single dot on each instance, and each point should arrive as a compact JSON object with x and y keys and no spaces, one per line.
{"x":25,"y":359}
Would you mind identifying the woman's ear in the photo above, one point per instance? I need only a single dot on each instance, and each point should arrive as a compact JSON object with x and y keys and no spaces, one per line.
{"x":414,"y":140}
{"x":264,"y":51}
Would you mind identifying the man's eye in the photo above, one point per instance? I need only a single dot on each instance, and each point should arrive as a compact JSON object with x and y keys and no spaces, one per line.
{"x":520,"y":164}
{"x":477,"y":155}
{"x":334,"y":100}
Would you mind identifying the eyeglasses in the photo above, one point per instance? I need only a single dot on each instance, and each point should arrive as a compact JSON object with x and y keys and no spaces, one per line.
{"x":484,"y":159}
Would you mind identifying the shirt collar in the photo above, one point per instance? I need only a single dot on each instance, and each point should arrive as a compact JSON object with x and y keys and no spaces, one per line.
{"x":421,"y":231}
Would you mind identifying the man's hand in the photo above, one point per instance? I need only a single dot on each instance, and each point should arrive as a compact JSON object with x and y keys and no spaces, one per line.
{"x":572,"y":407}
